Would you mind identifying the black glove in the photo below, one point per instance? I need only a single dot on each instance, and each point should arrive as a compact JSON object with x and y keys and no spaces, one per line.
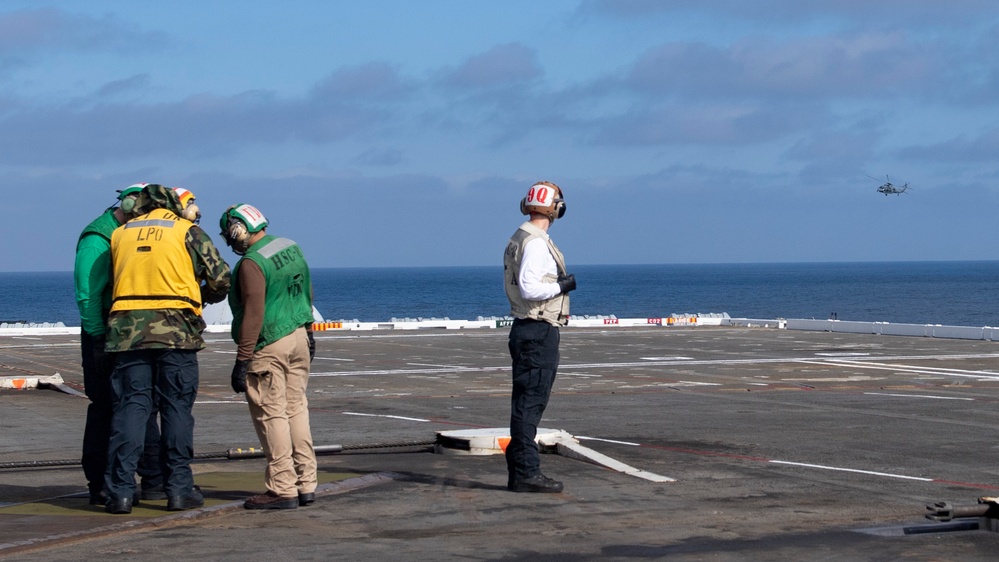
{"x":567,"y":283}
{"x":312,"y":346}
{"x":239,"y":375}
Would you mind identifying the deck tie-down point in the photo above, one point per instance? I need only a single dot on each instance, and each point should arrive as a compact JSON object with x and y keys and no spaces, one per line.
{"x":493,"y":441}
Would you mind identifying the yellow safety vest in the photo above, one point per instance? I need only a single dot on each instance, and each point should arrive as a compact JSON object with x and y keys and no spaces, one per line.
{"x":152,"y":266}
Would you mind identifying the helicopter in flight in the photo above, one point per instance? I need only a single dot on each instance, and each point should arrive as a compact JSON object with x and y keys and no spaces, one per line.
{"x":888,"y":188}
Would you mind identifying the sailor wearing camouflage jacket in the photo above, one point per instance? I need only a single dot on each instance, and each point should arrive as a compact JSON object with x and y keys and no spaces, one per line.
{"x":165,"y":269}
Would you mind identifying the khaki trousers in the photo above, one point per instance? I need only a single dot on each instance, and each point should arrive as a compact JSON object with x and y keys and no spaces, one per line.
{"x":275,"y":390}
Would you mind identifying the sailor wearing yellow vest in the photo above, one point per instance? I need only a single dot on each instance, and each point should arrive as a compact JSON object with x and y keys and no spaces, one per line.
{"x":271,"y":302}
{"x":537,"y":286}
{"x":164,"y":267}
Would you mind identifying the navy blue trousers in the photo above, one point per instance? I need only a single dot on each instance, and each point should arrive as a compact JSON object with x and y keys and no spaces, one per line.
{"x":534,"y":350}
{"x":142,"y":381}
{"x":97,"y":431}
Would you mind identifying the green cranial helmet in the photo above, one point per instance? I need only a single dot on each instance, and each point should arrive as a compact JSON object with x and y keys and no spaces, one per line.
{"x":253,"y":220}
{"x":239,"y":223}
{"x":132,"y":190}
{"x":128,"y":197}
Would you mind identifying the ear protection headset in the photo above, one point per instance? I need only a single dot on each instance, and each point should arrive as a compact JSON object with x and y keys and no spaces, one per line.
{"x":239,"y":223}
{"x":190,"y":210}
{"x":128,"y":204}
{"x":129,"y":196}
{"x":236,"y":233}
{"x":545,"y":198}
{"x":191,"y":213}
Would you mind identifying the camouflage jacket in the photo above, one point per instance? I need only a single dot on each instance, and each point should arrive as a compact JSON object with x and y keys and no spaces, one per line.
{"x":174,"y":328}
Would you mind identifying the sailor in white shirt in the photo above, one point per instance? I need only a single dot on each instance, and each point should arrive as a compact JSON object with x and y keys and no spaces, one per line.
{"x":537,"y":286}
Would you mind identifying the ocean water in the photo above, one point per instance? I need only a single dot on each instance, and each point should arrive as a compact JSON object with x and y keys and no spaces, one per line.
{"x":952,"y":293}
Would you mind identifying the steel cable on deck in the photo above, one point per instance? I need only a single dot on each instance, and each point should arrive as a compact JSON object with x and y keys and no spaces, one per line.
{"x":238,"y":454}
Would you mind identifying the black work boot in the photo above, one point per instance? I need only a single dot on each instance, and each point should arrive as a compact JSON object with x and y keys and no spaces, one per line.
{"x":538,"y":483}
{"x":119,"y":506}
{"x":190,"y":501}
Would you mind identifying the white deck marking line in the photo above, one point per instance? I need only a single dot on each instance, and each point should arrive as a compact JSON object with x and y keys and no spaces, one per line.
{"x":769,"y":360}
{"x":946,"y":370}
{"x":921,"y":367}
{"x":919,"y":396}
{"x":574,"y":450}
{"x":220,"y":401}
{"x":798,"y":464}
{"x":910,"y":369}
{"x":759,"y":361}
{"x":854,"y":470}
{"x":385,"y":416}
{"x":802,"y":464}
{"x":584,"y":438}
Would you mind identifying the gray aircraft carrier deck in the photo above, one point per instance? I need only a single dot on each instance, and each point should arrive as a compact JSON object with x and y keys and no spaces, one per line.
{"x":783,"y":444}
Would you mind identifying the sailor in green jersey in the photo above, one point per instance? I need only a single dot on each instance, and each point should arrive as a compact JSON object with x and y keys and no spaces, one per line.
{"x":271,"y":302}
{"x":92,"y":280}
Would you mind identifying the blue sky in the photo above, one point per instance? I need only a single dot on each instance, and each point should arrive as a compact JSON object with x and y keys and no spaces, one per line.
{"x":390,"y":133}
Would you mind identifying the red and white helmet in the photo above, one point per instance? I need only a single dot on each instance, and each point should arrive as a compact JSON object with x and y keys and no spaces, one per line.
{"x":189,"y":209}
{"x":545,"y":198}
